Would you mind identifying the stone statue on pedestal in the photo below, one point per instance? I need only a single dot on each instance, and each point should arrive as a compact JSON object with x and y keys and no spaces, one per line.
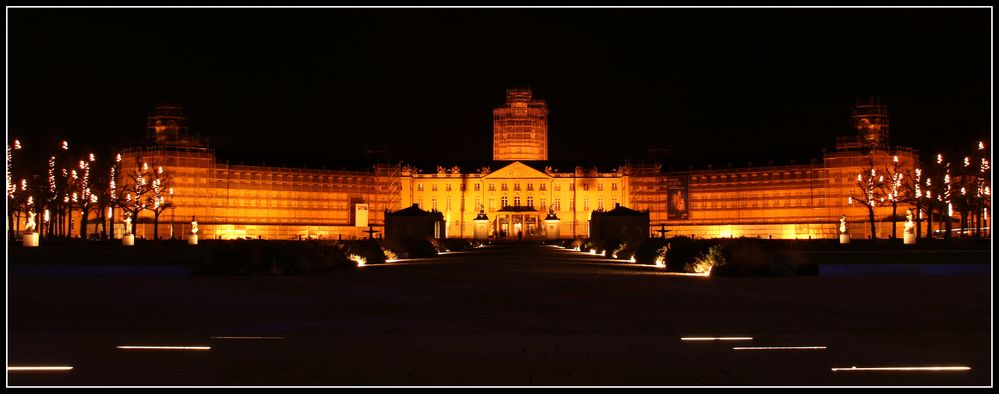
{"x":194,"y":226}
{"x":908,"y":222}
{"x":128,"y":223}
{"x":30,"y":224}
{"x":842,"y":224}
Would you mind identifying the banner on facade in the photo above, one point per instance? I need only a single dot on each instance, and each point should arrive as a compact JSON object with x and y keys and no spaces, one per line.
{"x":361,"y":215}
{"x":677,"y":202}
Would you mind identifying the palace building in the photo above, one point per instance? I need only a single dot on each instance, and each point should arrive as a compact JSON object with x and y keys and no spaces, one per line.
{"x":516,"y":193}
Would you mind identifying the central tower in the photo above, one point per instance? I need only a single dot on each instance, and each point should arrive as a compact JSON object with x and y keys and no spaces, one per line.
{"x":520,"y":127}
{"x":870,"y":119}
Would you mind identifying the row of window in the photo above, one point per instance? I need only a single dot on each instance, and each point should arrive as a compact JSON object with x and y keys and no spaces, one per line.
{"x":505,"y":202}
{"x":750,"y":195}
{"x":516,"y":187}
{"x":757,"y":203}
{"x":755,"y":177}
{"x":289,"y":203}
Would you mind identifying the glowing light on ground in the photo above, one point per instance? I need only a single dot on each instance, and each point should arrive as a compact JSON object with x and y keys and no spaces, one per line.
{"x":697,"y":274}
{"x":247,"y":337}
{"x":40,"y":368}
{"x":145,"y":347}
{"x":779,"y":348}
{"x":361,"y":261}
{"x":716,"y":338}
{"x":855,"y":368}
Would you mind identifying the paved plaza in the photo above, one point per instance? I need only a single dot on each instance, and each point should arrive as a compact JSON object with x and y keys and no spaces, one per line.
{"x":509,"y":314}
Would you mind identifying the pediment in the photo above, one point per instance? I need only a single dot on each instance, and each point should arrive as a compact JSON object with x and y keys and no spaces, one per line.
{"x":517,"y":170}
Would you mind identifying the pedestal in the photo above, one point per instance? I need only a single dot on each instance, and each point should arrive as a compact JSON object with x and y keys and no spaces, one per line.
{"x":192,"y":239}
{"x":910,"y":239}
{"x":128,"y":240}
{"x":552,"y":229}
{"x":481,"y":231}
{"x":30,"y":240}
{"x":844,"y":238}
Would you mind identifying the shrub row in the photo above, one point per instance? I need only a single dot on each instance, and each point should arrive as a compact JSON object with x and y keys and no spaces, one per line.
{"x":259,"y":257}
{"x":255,"y":257}
{"x":410,"y":248}
{"x":723,"y":257}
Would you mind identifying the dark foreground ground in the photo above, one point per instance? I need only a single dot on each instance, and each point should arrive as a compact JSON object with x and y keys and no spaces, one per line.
{"x":500,"y":315}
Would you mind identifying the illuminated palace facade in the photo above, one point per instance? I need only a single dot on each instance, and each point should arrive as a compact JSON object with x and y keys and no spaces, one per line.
{"x":245,"y":201}
{"x":520,"y":189}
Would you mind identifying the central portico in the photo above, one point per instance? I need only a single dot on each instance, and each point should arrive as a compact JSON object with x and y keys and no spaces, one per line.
{"x":515,"y":198}
{"x":522,"y":190}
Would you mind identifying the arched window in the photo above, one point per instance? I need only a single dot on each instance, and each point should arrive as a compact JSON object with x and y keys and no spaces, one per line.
{"x":503,"y":202}
{"x":530,"y":201}
{"x":516,"y":201}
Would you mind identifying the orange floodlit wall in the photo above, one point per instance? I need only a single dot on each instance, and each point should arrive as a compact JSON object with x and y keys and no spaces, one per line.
{"x":240,"y":201}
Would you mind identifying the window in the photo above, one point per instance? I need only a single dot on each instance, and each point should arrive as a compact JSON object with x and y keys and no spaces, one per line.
{"x":516,"y":187}
{"x":558,"y":187}
{"x":478,"y":204}
{"x":586,"y":187}
{"x":541,"y":187}
{"x":478,"y":186}
{"x":492,"y":187}
{"x":447,"y":204}
{"x":572,"y":204}
{"x":542,"y":203}
{"x":614,"y":186}
{"x":530,"y":186}
{"x":447,"y":187}
{"x":600,"y":187}
{"x":433,"y":202}
{"x":503,"y":201}
{"x":503,"y":187}
{"x":586,"y":204}
{"x":419,"y":187}
{"x":600,"y":204}
{"x":420,"y":204}
{"x":492,"y":204}
{"x":558,"y":204}
{"x":530,"y":201}
{"x":572,"y":186}
{"x":433,"y":187}
{"x":516,"y":201}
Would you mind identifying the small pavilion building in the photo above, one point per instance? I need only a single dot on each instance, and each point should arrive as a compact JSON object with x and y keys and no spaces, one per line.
{"x":414,"y":223}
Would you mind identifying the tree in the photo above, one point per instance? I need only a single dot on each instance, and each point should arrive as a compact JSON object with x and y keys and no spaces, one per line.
{"x":135,"y":190}
{"x":892,"y":190}
{"x":105,"y":187}
{"x":914,"y":193}
{"x":869,"y":185}
{"x":83,"y":196}
{"x":160,"y":196}
{"x":58,"y":198}
{"x":17,"y":192}
{"x":937,"y":194}
{"x":983,"y":188}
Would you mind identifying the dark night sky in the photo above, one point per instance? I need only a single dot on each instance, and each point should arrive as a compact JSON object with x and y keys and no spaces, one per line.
{"x":720,"y":85}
